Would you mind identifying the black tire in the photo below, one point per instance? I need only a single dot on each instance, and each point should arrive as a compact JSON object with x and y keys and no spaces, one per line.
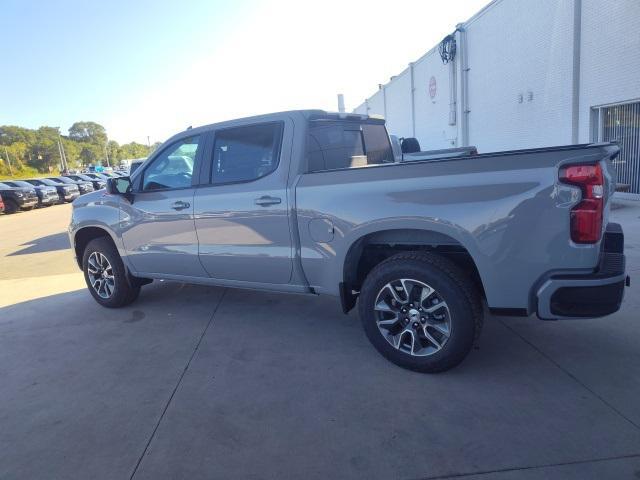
{"x":10,"y":206}
{"x":125,"y":289}
{"x":450,"y":283}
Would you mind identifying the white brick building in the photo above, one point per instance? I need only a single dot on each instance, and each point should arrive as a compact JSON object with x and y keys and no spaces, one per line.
{"x":549,"y":72}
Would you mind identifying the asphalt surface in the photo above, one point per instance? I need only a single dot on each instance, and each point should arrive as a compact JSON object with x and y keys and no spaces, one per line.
{"x":195,"y":382}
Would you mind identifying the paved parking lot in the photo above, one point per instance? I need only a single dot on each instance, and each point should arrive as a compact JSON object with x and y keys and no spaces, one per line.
{"x":195,"y":382}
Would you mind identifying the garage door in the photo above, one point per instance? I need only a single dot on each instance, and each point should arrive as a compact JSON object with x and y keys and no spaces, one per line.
{"x":622,"y":124}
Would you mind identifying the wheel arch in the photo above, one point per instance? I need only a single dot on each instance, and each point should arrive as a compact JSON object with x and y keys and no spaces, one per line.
{"x":370,"y":249}
{"x":84,"y":235}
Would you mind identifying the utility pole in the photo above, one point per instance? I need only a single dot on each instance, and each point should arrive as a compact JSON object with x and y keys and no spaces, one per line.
{"x":8,"y":161}
{"x":61,"y":157}
{"x":106,"y":153}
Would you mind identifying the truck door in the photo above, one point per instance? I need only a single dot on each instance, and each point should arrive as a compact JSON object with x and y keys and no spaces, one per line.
{"x":242,"y":210}
{"x":158,"y":231}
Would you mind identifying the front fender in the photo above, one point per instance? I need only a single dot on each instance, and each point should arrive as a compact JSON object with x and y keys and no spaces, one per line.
{"x":98,"y":210}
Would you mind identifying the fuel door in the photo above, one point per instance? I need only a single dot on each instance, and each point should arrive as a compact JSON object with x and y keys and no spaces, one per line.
{"x":321,"y":230}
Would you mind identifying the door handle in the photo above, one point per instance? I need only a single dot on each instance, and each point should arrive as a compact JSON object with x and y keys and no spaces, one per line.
{"x":180,"y":205}
{"x":265,"y":201}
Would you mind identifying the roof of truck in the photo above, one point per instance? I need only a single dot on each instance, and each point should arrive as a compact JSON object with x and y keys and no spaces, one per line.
{"x":309,"y":114}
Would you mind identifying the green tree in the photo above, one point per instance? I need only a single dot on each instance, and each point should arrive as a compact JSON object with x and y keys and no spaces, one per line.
{"x":90,"y":154}
{"x":88,"y":132}
{"x":10,"y":134}
{"x":45,"y":154}
{"x":133,"y":150}
{"x":113,"y":151}
{"x":72,"y":152}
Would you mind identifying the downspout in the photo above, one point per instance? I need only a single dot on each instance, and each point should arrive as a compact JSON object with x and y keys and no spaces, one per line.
{"x":464,"y":84}
{"x":453,"y":94}
{"x":413,"y":101}
{"x":575,"y":100}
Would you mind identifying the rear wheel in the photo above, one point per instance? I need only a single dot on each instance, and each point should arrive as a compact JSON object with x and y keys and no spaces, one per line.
{"x":106,"y":276}
{"x":420,"y":311}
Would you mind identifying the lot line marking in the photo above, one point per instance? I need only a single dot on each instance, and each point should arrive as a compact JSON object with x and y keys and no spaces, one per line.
{"x":571,"y":375}
{"x":531,"y":467}
{"x":175,"y":389}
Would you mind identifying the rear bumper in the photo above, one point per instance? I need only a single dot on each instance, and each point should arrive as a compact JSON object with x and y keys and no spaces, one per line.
{"x":587,"y":296}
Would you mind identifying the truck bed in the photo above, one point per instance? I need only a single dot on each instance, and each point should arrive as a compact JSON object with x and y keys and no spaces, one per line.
{"x":499,"y":207}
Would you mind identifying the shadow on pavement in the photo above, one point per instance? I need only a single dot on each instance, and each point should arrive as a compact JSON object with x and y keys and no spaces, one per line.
{"x":285,"y":377}
{"x":50,"y":243}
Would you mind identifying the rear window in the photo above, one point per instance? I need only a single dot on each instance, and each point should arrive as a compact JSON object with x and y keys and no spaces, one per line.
{"x":244,"y":154}
{"x":335,"y":145}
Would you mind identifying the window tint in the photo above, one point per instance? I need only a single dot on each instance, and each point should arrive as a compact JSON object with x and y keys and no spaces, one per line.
{"x":173,"y":168}
{"x":343,"y":145}
{"x":9,"y":184}
{"x":377,"y":143}
{"x":243,"y":154}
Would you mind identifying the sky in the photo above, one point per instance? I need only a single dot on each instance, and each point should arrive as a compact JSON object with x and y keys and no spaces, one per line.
{"x":148,"y":69}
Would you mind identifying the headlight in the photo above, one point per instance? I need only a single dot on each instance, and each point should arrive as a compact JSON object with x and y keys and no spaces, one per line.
{"x":19,"y":194}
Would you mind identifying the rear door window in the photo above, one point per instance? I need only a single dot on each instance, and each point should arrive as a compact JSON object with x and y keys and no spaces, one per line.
{"x":244,"y":154}
{"x":337,"y":145}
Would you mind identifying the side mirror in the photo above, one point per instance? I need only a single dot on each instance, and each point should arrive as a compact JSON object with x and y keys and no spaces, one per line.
{"x":119,"y":186}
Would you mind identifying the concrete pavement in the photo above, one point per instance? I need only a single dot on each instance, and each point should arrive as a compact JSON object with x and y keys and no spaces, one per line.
{"x":195,"y":382}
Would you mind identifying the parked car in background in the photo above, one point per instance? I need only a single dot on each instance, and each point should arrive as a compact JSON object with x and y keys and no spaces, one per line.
{"x":85,"y":186}
{"x":97,"y":176}
{"x":109,"y":174}
{"x":66,"y":192}
{"x":314,"y":202}
{"x":1,"y":205}
{"x":47,"y":196}
{"x":98,"y":184}
{"x":18,"y":198}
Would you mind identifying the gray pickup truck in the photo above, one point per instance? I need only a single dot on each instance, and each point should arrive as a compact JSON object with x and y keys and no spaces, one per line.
{"x":314,"y":202}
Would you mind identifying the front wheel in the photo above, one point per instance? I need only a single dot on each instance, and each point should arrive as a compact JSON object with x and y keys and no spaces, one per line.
{"x":106,"y":276}
{"x":10,"y":206}
{"x":420,"y":311}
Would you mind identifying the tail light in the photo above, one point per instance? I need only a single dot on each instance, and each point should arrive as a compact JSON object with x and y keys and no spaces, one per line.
{"x":586,"y":216}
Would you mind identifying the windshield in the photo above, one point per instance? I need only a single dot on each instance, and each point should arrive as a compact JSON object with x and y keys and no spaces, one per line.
{"x":36,"y":182}
{"x":63,"y":180}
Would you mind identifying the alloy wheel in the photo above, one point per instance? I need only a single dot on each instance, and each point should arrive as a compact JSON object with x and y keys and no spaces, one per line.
{"x":413,"y":317}
{"x":101,"y":275}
